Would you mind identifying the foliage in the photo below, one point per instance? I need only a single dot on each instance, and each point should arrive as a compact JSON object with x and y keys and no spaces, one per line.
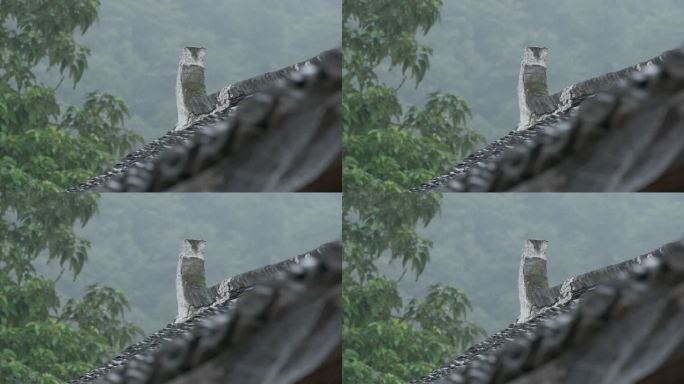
{"x":376,"y":222}
{"x":386,"y":148}
{"x":386,"y":340}
{"x":45,"y":149}
{"x":44,"y":342}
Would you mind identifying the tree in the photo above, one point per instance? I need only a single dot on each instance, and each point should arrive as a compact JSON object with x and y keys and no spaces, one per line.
{"x":45,"y":148}
{"x":388,"y":150}
{"x":386,"y":340}
{"x":43,"y":341}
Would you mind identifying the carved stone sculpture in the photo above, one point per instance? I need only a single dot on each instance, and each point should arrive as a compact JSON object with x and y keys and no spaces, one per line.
{"x":191,"y":285}
{"x":533,"y":283}
{"x":191,"y":92}
{"x":532,"y":87}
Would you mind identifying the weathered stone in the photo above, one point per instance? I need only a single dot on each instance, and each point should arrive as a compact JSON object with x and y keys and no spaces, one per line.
{"x":191,"y":285}
{"x":532,"y":85}
{"x":190,"y":87}
{"x":533,"y":284}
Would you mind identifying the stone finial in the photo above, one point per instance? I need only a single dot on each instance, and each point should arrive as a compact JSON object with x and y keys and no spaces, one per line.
{"x":191,"y":285}
{"x":531,"y":82}
{"x":533,"y":284}
{"x":191,"y":92}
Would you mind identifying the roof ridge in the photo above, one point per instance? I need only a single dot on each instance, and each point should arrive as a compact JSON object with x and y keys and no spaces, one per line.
{"x":600,"y":83}
{"x":575,"y":93}
{"x":241,"y":89}
{"x":242,"y":281}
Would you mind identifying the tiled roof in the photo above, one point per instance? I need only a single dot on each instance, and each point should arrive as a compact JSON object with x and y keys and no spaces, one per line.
{"x":248,"y":143}
{"x":252,"y":312}
{"x":554,"y":153}
{"x":568,"y":321}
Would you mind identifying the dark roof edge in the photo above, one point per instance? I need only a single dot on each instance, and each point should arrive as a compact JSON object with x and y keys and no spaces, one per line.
{"x":574,"y":286}
{"x":248,"y":279}
{"x":257,"y":83}
{"x":573,"y":93}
